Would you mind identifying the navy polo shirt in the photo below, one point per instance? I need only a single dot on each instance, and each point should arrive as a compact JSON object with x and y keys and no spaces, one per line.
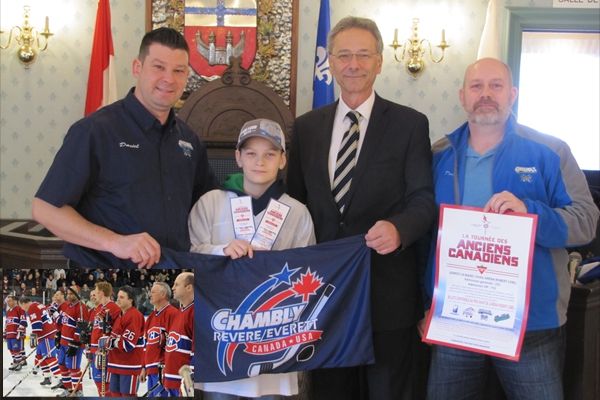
{"x":120,"y":169}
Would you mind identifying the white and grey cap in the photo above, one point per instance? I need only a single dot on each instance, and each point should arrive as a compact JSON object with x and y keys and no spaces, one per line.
{"x":264,"y":128}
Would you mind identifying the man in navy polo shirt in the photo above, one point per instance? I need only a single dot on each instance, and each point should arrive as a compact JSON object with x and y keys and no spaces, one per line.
{"x":122,"y":184}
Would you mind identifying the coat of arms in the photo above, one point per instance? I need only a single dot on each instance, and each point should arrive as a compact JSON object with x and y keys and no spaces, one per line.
{"x":218,"y":29}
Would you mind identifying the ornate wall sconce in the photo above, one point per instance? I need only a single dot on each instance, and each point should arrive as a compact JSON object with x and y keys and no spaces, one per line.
{"x":25,"y":38}
{"x":416,"y":49}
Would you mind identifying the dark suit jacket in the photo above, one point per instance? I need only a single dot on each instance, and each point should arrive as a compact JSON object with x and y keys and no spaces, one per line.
{"x":392,"y":181}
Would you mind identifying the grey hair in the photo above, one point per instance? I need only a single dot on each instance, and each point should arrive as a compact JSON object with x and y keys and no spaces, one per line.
{"x":165,"y":288}
{"x":355,"y":22}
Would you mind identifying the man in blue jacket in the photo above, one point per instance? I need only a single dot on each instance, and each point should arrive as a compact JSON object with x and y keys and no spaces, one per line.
{"x":496,"y":164}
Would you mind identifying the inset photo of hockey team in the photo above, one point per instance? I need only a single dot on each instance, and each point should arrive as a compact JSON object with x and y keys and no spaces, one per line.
{"x":98,"y":333}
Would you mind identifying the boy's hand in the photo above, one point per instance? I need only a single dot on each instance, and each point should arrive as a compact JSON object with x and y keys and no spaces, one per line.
{"x":238,"y":248}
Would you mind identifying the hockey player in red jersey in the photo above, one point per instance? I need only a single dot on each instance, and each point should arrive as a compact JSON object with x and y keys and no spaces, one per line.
{"x":107,"y":310}
{"x":96,"y":306}
{"x":43,"y":329}
{"x":89,"y":354}
{"x":56,"y":310}
{"x":158,"y":325}
{"x":14,"y":332}
{"x":58,"y":306}
{"x":126,"y":345}
{"x":180,"y":343}
{"x":70,"y":344}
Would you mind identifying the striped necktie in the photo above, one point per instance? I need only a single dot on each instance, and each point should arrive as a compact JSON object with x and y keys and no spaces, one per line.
{"x":346,"y":160}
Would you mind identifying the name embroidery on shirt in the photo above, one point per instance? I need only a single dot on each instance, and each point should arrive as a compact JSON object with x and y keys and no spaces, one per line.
{"x":132,"y":146}
{"x":186,"y":147}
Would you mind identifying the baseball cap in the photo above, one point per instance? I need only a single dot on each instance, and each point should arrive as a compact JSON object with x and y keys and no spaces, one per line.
{"x":264,"y":128}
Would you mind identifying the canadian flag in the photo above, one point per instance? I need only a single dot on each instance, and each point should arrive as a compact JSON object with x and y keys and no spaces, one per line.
{"x":102,"y":84}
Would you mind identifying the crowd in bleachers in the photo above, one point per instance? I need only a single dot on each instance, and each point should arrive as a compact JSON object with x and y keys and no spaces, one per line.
{"x":41,"y":284}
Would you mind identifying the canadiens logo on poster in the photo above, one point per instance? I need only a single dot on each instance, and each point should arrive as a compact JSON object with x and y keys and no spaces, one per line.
{"x":275,"y":322}
{"x":218,"y":29}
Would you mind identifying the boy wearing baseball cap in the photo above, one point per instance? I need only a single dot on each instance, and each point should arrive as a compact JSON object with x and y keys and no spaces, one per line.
{"x":227,"y":221}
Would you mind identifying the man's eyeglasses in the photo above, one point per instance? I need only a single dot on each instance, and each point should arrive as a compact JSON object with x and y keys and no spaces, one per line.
{"x":347,"y":57}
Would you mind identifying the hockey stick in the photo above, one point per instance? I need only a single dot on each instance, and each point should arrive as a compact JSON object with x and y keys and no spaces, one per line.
{"x":103,"y":384}
{"x":40,"y":362}
{"x":262,"y":367}
{"x":153,"y":388}
{"x":11,"y":372}
{"x":188,"y":385}
{"x":103,"y":360}
{"x":81,"y":378}
{"x":160,"y":382}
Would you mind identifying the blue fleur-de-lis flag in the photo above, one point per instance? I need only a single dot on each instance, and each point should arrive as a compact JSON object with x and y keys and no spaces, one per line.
{"x":322,"y":80}
{"x":280,"y":311}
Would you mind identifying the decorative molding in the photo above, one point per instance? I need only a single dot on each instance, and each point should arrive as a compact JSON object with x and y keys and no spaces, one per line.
{"x":27,"y":244}
{"x":218,"y":110}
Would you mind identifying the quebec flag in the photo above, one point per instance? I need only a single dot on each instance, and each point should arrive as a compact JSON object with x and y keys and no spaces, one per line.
{"x":280,"y":311}
{"x":322,"y":80}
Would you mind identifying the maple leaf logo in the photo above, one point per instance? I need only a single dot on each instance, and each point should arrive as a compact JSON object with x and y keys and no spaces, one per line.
{"x":481,"y":269}
{"x":307,"y":285}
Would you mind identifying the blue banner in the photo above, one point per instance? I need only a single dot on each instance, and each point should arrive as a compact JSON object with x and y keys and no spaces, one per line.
{"x":322,"y":80}
{"x":281,"y":311}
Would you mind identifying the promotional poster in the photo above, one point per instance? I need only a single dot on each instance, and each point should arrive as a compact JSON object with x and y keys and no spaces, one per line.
{"x":483,"y":272}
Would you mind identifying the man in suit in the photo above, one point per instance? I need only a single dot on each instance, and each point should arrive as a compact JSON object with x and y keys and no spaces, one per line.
{"x":389,"y":199}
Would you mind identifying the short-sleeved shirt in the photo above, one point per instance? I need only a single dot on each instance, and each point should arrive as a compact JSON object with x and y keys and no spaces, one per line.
{"x":120,"y":169}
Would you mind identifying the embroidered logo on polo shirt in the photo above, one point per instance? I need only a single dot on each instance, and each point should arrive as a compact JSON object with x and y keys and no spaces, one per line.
{"x":526,"y":173}
{"x":132,"y":146}
{"x":187,"y":148}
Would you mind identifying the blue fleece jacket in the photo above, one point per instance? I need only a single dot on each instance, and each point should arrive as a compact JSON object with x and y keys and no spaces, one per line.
{"x":541,"y":171}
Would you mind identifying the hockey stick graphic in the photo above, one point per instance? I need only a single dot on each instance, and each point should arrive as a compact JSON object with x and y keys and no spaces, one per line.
{"x":262,"y":367}
{"x":306,"y":353}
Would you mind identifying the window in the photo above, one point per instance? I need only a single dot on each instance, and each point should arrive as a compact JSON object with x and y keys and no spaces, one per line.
{"x":563,"y":85}
{"x":559,"y":90}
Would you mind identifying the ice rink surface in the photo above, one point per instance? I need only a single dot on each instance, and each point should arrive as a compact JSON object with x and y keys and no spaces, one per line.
{"x":30,"y":387}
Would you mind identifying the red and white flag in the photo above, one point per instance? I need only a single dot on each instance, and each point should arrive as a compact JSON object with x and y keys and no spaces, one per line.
{"x":102,"y":83}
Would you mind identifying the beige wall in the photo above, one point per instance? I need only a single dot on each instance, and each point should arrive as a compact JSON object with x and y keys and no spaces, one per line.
{"x":38,"y":105}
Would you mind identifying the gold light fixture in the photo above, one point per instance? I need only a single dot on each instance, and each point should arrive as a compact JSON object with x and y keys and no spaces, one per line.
{"x":26,"y":37}
{"x":416,"y":49}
